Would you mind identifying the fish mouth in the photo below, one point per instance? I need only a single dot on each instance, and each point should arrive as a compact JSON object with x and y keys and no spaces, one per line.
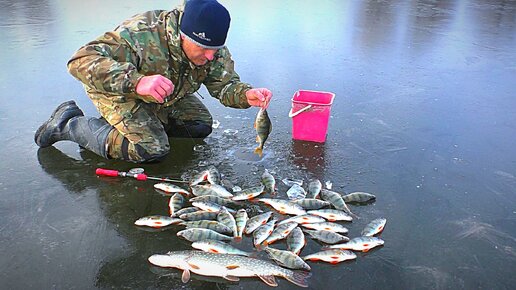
{"x":161,"y":260}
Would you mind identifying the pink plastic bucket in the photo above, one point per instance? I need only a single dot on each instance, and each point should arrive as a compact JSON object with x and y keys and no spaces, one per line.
{"x":310,"y":115}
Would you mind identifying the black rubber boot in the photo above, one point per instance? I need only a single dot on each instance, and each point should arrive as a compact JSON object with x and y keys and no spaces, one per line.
{"x":89,"y":132}
{"x":49,"y":132}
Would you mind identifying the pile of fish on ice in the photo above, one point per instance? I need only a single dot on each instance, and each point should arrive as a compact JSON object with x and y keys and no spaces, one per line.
{"x":217,"y":216}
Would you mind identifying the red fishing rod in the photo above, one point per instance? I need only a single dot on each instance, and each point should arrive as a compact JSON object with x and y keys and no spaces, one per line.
{"x":136,"y":173}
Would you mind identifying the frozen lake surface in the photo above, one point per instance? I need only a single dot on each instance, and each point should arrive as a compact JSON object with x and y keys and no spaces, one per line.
{"x":424,"y":118}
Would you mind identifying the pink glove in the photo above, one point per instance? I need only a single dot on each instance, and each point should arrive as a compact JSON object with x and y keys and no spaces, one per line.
{"x":156,"y":86}
{"x":259,"y":97}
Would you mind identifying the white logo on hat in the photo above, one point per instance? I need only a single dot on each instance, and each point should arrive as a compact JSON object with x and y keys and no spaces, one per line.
{"x":201,"y":35}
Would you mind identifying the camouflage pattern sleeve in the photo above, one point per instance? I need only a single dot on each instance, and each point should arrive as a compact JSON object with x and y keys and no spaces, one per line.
{"x":97,"y":65}
{"x":224,"y":83}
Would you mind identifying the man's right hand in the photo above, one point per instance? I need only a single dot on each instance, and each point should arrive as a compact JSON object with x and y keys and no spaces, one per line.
{"x":156,"y":86}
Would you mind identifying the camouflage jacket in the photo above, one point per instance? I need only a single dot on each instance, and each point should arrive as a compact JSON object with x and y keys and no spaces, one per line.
{"x":147,"y":44}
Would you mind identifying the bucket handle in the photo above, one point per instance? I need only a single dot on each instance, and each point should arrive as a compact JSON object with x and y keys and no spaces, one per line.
{"x":291,"y":115}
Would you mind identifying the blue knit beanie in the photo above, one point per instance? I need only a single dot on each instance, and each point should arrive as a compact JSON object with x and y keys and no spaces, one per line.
{"x":205,"y":22}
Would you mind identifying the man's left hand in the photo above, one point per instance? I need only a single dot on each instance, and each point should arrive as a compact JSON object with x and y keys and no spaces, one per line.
{"x":259,"y":97}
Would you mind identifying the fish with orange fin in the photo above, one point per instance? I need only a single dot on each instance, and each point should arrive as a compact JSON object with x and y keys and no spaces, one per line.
{"x":363,"y":244}
{"x":227,"y":266}
{"x":263,"y":127}
{"x":157,"y":221}
{"x":374,"y":227}
{"x":332,"y":256}
{"x":218,"y":247}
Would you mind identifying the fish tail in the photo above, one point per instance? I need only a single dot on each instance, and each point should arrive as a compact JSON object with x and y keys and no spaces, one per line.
{"x":258,"y":151}
{"x":299,"y":278}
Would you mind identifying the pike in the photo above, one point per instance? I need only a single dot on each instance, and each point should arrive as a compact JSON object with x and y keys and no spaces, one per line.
{"x":157,"y":221}
{"x":332,"y":256}
{"x":229,"y":267}
{"x":374,"y":227}
{"x":263,"y":127}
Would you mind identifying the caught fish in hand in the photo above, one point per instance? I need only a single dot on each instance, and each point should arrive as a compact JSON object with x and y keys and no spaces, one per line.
{"x":263,"y":127}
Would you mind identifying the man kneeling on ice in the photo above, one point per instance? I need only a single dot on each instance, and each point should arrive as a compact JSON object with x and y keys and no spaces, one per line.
{"x":142,"y":78}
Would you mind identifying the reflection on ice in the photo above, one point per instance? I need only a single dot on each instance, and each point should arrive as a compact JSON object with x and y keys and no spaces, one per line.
{"x":248,"y":155}
{"x":471,"y":229}
{"x":430,"y":277}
